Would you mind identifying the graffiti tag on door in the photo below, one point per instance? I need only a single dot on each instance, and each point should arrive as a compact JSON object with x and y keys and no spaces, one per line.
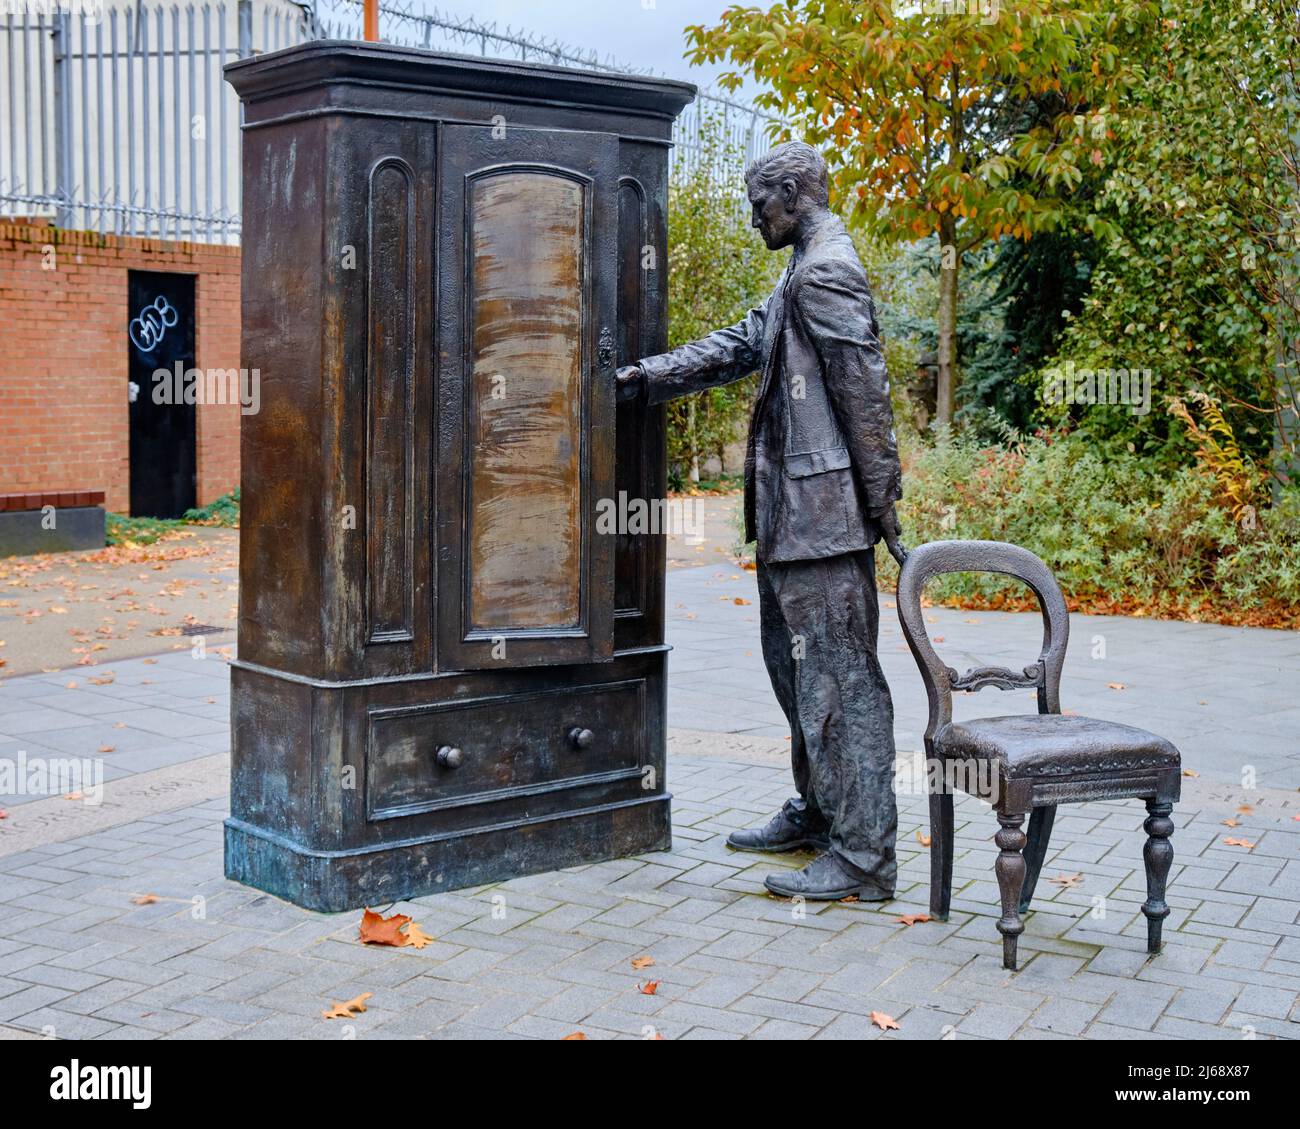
{"x":152,"y":324}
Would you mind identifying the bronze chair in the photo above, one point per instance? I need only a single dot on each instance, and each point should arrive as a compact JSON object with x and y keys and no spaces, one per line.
{"x":1025,"y":765}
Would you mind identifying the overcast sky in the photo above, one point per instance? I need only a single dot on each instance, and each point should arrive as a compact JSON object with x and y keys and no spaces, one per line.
{"x":642,"y":33}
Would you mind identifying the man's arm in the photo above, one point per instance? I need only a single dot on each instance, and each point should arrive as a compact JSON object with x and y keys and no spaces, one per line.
{"x":720,"y":358}
{"x":834,"y":305}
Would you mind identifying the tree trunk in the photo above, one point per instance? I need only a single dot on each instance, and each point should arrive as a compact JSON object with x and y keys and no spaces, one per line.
{"x":695,"y":445}
{"x":946,"y":392}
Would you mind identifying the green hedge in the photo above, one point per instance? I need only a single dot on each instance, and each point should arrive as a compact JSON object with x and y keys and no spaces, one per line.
{"x":1109,"y":527}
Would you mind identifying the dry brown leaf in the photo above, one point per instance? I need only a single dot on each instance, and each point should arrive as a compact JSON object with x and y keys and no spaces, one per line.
{"x":107,"y":680}
{"x":144,"y":899}
{"x":912,"y":918}
{"x":74,"y":796}
{"x":574,"y":1037}
{"x":883,"y":1021}
{"x":922,"y":838}
{"x":649,"y":988}
{"x":740,"y":601}
{"x":379,"y":930}
{"x":348,"y":1010}
{"x":1191,"y":772}
{"x":3,"y":814}
{"x":1231,"y":822}
{"x":642,"y":962}
{"x":416,"y":937}
{"x":107,"y":748}
{"x":1239,"y":843}
{"x":1067,"y":880}
{"x":1245,"y":809}
{"x":1115,"y":685}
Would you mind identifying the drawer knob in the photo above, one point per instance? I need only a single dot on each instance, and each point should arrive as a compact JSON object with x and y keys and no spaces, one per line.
{"x":581,"y":738}
{"x":450,"y":757}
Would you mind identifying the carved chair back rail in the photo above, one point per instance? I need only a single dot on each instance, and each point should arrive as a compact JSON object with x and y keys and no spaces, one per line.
{"x":1031,"y":762}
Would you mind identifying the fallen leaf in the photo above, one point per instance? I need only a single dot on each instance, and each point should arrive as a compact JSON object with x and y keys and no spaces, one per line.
{"x":937,"y":639}
{"x":1239,"y":843}
{"x":740,"y":601}
{"x":1245,"y":809}
{"x":883,"y":1021}
{"x":144,"y":899}
{"x":1232,"y":823}
{"x":74,"y":796}
{"x":912,"y":918}
{"x":349,"y":1009}
{"x":379,"y":930}
{"x":642,"y":962}
{"x":575,"y":1036}
{"x":416,"y":937}
{"x":105,"y":681}
{"x":922,"y":838}
{"x":5,"y":815}
{"x":649,"y":988}
{"x":1191,"y":772}
{"x":1115,"y":685}
{"x":107,"y":748}
{"x":1067,"y":880}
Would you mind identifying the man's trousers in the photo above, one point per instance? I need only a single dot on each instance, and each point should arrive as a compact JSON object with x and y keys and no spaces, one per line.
{"x":820,"y":621}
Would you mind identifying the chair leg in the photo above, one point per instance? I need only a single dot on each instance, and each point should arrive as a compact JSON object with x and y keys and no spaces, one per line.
{"x":1040,"y":832}
{"x":941,"y":833}
{"x":1158,"y":854}
{"x":1010,"y":870}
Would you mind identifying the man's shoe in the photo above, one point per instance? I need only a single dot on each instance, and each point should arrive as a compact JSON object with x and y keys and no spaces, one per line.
{"x":824,"y":880}
{"x":785,"y":831}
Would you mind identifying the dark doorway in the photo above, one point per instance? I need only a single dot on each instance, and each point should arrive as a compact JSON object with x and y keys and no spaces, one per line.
{"x":160,"y":335}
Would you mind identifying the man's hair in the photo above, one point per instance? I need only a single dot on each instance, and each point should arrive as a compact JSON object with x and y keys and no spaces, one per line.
{"x":797,"y":160}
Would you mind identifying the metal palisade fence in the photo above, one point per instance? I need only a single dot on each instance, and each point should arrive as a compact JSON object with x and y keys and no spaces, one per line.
{"x":115,"y":117}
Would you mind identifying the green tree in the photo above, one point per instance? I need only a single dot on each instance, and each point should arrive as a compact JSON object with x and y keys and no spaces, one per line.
{"x":933,"y":123}
{"x":1199,"y":285}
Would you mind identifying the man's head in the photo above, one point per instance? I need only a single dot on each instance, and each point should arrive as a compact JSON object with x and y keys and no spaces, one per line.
{"x":786,"y":186}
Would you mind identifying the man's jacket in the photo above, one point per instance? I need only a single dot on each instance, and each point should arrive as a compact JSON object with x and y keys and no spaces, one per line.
{"x":822,"y":461}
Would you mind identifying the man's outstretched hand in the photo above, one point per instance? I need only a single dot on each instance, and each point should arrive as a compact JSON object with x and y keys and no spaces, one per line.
{"x":893,"y":535}
{"x":629,"y":380}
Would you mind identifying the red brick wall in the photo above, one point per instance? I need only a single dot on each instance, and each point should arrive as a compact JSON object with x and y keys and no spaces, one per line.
{"x":63,"y":358}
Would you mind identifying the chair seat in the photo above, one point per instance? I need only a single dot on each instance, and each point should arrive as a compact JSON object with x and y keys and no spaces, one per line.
{"x":1047,"y":744}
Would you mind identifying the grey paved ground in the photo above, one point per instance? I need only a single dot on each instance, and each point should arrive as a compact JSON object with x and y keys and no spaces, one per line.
{"x":550,"y":955}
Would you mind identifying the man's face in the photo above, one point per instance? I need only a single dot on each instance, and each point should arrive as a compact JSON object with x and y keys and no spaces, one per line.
{"x":774,"y":212}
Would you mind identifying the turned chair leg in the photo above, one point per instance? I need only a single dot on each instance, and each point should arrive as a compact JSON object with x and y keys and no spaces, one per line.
{"x":941,"y":832}
{"x":1040,"y":832}
{"x":1010,"y":870}
{"x":1158,"y":854}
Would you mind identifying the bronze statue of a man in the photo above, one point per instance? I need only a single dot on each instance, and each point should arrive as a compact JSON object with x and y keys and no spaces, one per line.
{"x":821,"y":479}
